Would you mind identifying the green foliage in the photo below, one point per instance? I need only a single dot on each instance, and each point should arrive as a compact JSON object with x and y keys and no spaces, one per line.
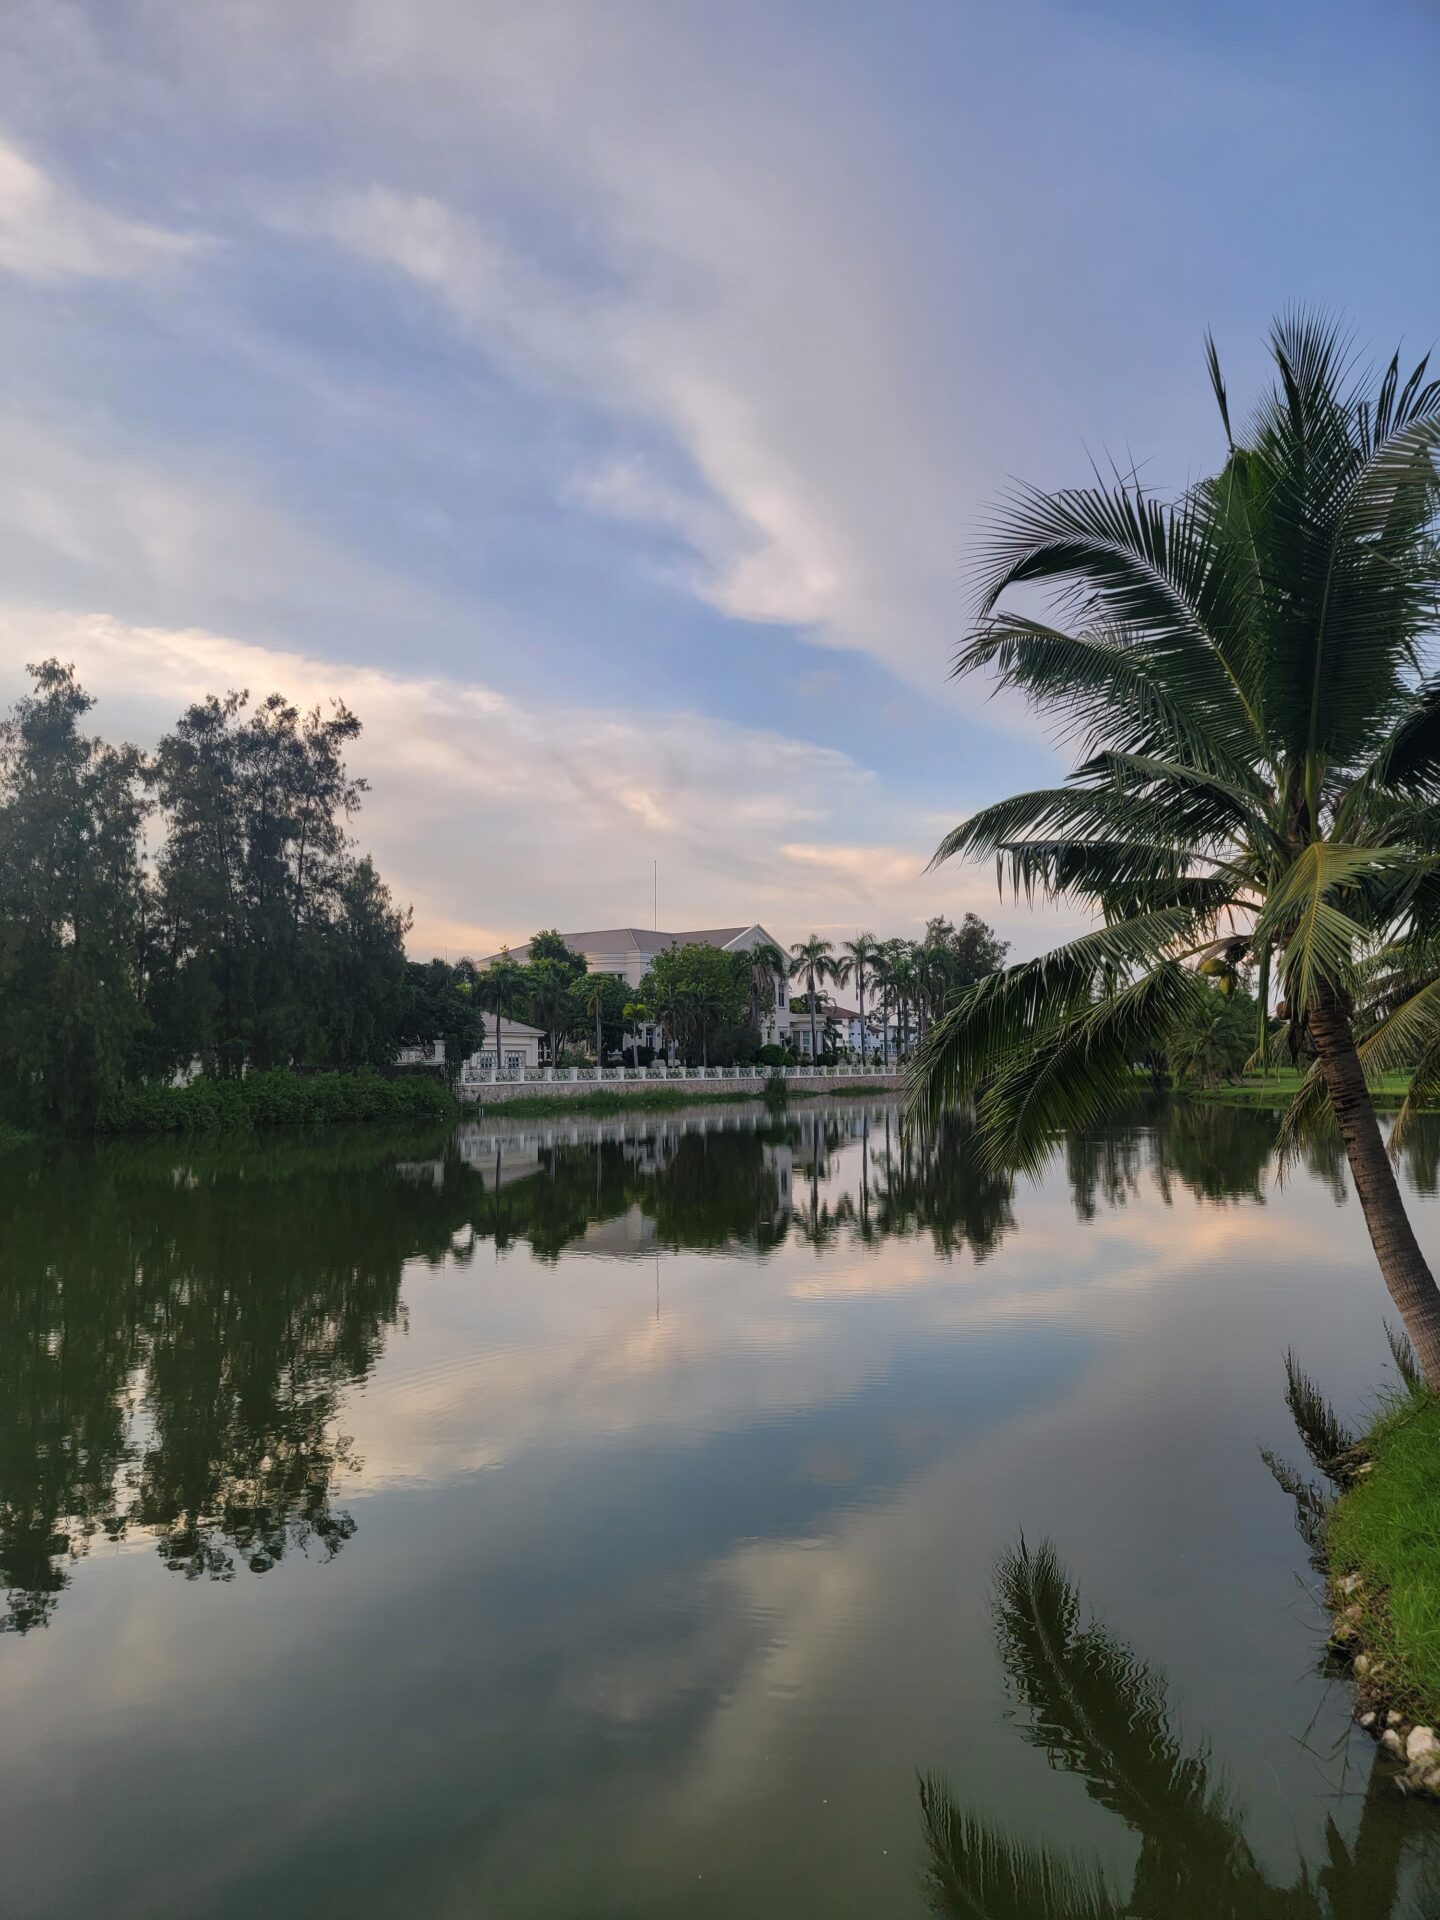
{"x":72,"y":906}
{"x":700,"y":995}
{"x":444,"y":1004}
{"x":548,"y":949}
{"x":271,"y":944}
{"x":276,"y":1098}
{"x":1386,"y":1527}
{"x":259,"y":940}
{"x":1215,"y":1040}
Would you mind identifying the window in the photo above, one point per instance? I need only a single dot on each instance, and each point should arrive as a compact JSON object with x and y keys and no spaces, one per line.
{"x":487,"y":1063}
{"x":512,"y":1061}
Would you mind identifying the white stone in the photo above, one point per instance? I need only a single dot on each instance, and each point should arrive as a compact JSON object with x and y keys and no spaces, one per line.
{"x":1362,"y":1665}
{"x":1391,"y":1741}
{"x":1367,"y":1720}
{"x":1421,"y":1744}
{"x":1392,"y":1718}
{"x":1348,"y":1582}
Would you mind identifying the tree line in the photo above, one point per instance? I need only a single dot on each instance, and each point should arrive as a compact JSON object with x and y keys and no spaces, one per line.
{"x":204,"y":909}
{"x":254,"y":937}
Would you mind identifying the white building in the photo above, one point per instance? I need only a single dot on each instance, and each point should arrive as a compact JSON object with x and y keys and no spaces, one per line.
{"x":847,"y":1019}
{"x":628,"y":951}
{"x":519,"y":1046}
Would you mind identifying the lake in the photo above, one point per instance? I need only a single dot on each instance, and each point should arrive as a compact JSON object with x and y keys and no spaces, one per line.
{"x":598,"y":1518}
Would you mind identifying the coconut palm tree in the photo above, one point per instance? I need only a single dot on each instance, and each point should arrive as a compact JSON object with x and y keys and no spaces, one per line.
{"x":882,"y":972}
{"x":857,"y":963}
{"x":595,"y":1003}
{"x":501,"y":990}
{"x":1246,"y":674}
{"x":814,"y":963}
{"x":904,"y":978}
{"x":768,"y":968}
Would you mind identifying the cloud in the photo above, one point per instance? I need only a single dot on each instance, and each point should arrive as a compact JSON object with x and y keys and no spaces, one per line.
{"x":49,"y":234}
{"x":496,"y":815}
{"x":723,"y":296}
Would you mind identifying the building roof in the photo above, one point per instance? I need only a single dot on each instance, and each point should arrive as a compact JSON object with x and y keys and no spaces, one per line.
{"x":643,"y":940}
{"x":511,"y":1029}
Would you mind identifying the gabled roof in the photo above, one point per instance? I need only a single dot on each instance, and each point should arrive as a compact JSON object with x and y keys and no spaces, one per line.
{"x":641,"y":940}
{"x":511,"y":1030}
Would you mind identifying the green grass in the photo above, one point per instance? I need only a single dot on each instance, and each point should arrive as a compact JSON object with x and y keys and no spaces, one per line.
{"x":14,"y":1137}
{"x":1387,"y":1529}
{"x":1281,"y":1085}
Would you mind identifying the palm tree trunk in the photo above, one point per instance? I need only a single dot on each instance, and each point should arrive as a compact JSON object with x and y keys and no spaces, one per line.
{"x":598,"y":1060}
{"x":860,"y":982}
{"x":1404,"y":1267}
{"x":812,"y":1020}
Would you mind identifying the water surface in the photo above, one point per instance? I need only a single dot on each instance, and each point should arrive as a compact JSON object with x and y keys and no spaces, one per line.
{"x":608,"y":1519}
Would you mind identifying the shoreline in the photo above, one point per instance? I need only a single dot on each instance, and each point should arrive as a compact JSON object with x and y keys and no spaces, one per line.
{"x":608,"y":1097}
{"x":1375,"y":1541}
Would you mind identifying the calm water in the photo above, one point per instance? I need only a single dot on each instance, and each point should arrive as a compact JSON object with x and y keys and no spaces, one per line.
{"x":607,"y":1519}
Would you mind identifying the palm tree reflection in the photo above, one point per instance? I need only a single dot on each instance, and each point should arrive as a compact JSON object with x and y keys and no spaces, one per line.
{"x":1098,"y":1712}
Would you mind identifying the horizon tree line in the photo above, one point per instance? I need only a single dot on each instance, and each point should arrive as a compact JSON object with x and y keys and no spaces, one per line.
{"x":256,"y":935}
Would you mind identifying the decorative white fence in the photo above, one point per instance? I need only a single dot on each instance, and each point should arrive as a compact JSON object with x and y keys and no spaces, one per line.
{"x":472,"y":1076}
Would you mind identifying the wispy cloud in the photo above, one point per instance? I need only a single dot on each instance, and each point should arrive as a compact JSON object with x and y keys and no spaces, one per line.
{"x":496,"y":816}
{"x":48,"y":233}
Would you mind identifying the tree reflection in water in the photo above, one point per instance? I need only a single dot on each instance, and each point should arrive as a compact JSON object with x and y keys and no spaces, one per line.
{"x":181,"y":1323}
{"x":1098,"y":1712}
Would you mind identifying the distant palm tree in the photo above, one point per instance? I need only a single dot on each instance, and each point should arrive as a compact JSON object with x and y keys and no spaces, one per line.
{"x":768,"y":968}
{"x":882,"y":966}
{"x":501,"y":990}
{"x":1251,"y":683}
{"x":595,"y":1003}
{"x":904,"y":981}
{"x":857,"y":963}
{"x":814,"y":964}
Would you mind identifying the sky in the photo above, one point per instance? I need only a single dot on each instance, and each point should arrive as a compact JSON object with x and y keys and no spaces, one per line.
{"x":607,"y":398}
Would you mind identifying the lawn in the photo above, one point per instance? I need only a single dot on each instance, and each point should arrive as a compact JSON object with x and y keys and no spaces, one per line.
{"x":1281,"y":1084}
{"x":1387,"y":1529}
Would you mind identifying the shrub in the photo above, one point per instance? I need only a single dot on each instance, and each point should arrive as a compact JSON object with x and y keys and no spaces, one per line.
{"x":274,"y":1099}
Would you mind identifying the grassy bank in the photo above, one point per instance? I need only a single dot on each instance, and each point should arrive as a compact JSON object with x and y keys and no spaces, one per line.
{"x":662,"y":1099}
{"x":1280,"y":1087}
{"x":1385,"y":1529}
{"x":276,"y":1099}
{"x":14,"y":1137}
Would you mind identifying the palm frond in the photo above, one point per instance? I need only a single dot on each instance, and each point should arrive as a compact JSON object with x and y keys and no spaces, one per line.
{"x":1111,"y":687}
{"x":1147,"y":565}
{"x":1325,"y":1436}
{"x":1406,"y":1363}
{"x":976,"y":1872}
{"x":1103,"y":1715}
{"x":1320,"y":941}
{"x":1313,"y":1505}
{"x":995,"y":1025}
{"x":1084,"y":1070}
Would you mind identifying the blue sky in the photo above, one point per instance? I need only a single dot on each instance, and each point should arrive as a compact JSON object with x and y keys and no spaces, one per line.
{"x":606,"y":398}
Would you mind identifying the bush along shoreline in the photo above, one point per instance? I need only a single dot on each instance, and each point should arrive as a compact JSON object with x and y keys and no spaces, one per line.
{"x":275,"y":1098}
{"x":1373,"y":1529}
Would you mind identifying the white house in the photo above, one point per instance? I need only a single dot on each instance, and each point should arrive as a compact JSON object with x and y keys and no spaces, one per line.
{"x":847,"y":1019}
{"x":628,"y":951}
{"x":519,"y":1046}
